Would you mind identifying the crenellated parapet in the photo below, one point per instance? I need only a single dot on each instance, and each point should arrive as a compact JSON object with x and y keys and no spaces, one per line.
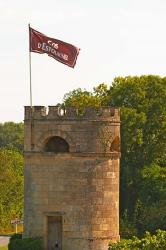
{"x":58,"y":112}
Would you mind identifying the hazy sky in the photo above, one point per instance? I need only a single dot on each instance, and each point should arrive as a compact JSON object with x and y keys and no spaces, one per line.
{"x":116,"y":37}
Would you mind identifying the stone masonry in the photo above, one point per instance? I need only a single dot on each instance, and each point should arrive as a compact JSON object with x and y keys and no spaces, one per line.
{"x":72,"y":177}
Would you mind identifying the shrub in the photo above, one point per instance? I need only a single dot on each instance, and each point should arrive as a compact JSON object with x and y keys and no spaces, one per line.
{"x":25,"y":244}
{"x":16,"y":236}
{"x":149,"y":242}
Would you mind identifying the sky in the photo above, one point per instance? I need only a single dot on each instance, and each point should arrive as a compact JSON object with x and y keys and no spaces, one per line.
{"x":116,"y":37}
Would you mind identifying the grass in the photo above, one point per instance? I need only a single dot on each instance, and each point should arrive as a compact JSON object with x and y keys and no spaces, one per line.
{"x":4,"y":248}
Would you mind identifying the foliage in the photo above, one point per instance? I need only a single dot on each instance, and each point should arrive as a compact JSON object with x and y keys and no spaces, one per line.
{"x":25,"y":244}
{"x":16,"y":236}
{"x":148,"y":242}
{"x":11,"y":187}
{"x":82,"y":98}
{"x":153,"y":184}
{"x":150,"y":209}
{"x":11,"y":135}
{"x":147,"y":95}
{"x":143,"y":137}
{"x":127,"y":228}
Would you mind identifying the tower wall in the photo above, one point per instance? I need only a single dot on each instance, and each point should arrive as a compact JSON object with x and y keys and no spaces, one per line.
{"x":82,"y":185}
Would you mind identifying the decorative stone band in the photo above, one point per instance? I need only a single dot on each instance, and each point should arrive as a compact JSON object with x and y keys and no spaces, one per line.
{"x":110,"y":237}
{"x":97,"y":238}
{"x":63,"y":113}
{"x":113,"y":155}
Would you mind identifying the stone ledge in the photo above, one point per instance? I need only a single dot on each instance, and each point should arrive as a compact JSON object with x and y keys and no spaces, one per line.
{"x":114,"y":155}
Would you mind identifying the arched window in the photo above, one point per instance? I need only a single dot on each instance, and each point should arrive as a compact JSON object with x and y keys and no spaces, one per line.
{"x":115,"y":145}
{"x":56,"y":144}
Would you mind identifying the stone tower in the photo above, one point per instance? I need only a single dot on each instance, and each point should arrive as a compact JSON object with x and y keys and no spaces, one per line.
{"x":72,"y":177}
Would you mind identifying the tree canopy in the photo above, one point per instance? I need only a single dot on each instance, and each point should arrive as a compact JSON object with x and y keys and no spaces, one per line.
{"x":11,"y":173}
{"x":82,"y":98}
{"x":11,"y":186}
{"x":11,"y":135}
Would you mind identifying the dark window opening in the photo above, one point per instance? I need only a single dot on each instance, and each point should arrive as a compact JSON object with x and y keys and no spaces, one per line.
{"x":56,"y":144}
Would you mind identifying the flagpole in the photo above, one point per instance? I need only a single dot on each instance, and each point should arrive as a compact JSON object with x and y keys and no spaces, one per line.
{"x":30,"y":82}
{"x":30,"y":77}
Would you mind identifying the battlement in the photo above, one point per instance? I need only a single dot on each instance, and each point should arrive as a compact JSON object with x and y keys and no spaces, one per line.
{"x":65,"y":113}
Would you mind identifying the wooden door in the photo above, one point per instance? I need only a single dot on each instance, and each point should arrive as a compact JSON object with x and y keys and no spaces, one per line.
{"x":54,"y":233}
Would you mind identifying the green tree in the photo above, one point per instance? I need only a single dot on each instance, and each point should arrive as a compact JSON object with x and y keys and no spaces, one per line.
{"x":143,"y":133}
{"x":11,"y":186}
{"x":150,"y":209}
{"x":82,"y":98}
{"x":147,"y":95}
{"x":11,"y":135}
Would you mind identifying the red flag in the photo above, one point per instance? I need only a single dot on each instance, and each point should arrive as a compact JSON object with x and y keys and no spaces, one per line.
{"x":63,"y":52}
